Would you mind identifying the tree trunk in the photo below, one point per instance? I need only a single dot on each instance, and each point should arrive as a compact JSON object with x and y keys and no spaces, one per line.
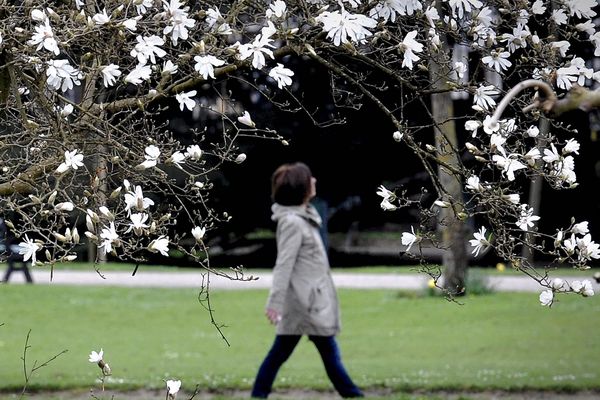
{"x":535,"y":188}
{"x":452,"y":229}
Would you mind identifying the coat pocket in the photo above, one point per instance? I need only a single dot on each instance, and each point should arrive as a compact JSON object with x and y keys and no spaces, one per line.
{"x":320,"y":297}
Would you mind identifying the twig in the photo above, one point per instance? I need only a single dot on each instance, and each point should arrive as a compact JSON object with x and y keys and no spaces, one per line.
{"x":204,"y":297}
{"x":35,"y":366}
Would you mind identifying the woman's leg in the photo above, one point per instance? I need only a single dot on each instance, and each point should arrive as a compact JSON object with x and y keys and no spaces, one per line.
{"x":282,"y":348}
{"x":330,"y":354}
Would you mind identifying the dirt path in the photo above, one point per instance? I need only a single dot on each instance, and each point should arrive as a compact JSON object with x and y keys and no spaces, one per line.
{"x":313,"y":395}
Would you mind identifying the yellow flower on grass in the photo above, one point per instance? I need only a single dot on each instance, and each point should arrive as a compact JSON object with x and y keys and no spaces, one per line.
{"x":500,"y":267}
{"x":431,"y":283}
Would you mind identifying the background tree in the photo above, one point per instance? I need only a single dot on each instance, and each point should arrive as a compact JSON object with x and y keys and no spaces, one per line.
{"x":87,"y":139}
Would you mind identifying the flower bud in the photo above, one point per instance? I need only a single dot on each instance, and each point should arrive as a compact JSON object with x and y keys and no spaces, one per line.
{"x":240,"y":158}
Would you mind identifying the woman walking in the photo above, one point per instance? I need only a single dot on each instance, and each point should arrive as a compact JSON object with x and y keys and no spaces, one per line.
{"x":302,"y":299}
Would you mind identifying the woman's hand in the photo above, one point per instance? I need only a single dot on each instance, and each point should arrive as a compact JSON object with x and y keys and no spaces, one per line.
{"x":273,"y":316}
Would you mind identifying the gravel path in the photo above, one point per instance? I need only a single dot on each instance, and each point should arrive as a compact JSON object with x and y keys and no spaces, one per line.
{"x":194,"y":279}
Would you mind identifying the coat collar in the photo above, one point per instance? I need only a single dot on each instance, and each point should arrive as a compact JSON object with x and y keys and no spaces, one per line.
{"x":308,"y":212}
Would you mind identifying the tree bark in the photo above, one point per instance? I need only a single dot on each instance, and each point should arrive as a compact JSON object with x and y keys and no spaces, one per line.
{"x":452,"y":229}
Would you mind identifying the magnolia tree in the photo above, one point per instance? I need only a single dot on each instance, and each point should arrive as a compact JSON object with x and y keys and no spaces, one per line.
{"x":87,"y":150}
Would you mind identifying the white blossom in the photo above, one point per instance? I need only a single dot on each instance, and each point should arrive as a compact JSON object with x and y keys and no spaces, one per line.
{"x":562,"y":46}
{"x":533,"y":131}
{"x":131,"y":23}
{"x":551,"y":155}
{"x":497,"y":60}
{"x":213,"y":15}
{"x":205,"y":65}
{"x":110,"y":237}
{"x":473,"y":125}
{"x":281,"y":75}
{"x":559,"y":17}
{"x":409,"y":238}
{"x":138,"y":223}
{"x":581,"y":8}
{"x":572,"y":146}
{"x":410,"y":46}
{"x":106,"y":213}
{"x":179,"y":21}
{"x":246,"y":119}
{"x":147,"y":48}
{"x":490,"y":125}
{"x":151,"y":156}
{"x":546,"y":298}
{"x":473,"y":184}
{"x":342,"y":27}
{"x":587,"y":27}
{"x":64,"y":206}
{"x":517,"y":39}
{"x":73,"y":159}
{"x":176,"y":158}
{"x":580,"y":228}
{"x":587,"y":289}
{"x":160,"y":245}
{"x":588,"y":249}
{"x":139,"y":74}
{"x":62,"y":75}
{"x":135,"y":200}
{"x":538,"y":7}
{"x":397,"y":136}
{"x":557,"y":284}
{"x":532,"y":155}
{"x":194,"y":152}
{"x":66,"y":110}
{"x":185,"y":100}
{"x":526,"y":218}
{"x":198,"y":233}
{"x":44,"y":38}
{"x":483,"y":97}
{"x":257,"y":49}
{"x":28,"y":248}
{"x":169,"y":68}
{"x":38,"y":15}
{"x":172,"y":388}
{"x":512,"y":198}
{"x":142,"y":6}
{"x":508,"y":163}
{"x":387,"y":9}
{"x":385,"y":193}
{"x":386,"y":205}
{"x":276,"y":9}
{"x":432,"y":15}
{"x":479,"y":242}
{"x":459,"y":7}
{"x":110,"y":73}
{"x":96,"y":357}
{"x":101,"y":18}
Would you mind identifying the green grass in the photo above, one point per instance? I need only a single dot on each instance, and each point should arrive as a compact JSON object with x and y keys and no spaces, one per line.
{"x":502,"y":341}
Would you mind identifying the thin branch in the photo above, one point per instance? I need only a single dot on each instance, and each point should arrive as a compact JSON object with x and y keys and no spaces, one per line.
{"x":35,"y":367}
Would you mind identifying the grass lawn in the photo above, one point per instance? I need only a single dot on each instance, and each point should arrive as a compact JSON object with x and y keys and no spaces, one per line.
{"x":502,"y":341}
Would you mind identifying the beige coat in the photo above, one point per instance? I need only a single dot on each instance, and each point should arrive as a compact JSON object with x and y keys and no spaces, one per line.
{"x":303,"y":291}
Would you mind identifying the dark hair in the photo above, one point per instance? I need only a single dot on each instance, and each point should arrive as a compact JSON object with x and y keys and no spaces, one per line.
{"x":290,"y":184}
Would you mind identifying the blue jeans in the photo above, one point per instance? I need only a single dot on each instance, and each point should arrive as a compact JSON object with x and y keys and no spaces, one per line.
{"x":281,"y":350}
